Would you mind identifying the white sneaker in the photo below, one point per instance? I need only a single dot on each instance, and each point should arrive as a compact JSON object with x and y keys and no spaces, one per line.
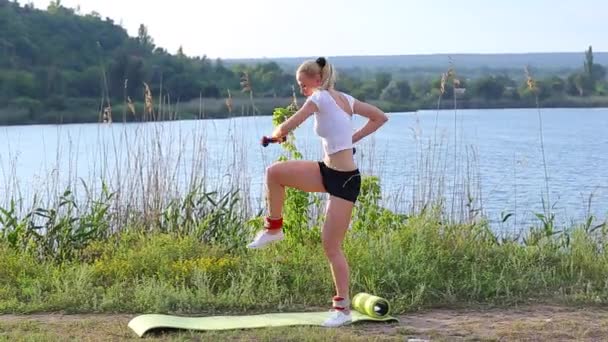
{"x":338,"y":318}
{"x":263,"y":238}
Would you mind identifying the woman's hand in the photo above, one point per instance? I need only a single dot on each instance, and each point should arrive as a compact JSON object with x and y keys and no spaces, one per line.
{"x":279,"y":132}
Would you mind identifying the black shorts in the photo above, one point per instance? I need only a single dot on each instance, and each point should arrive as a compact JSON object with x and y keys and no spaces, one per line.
{"x":343,"y":184}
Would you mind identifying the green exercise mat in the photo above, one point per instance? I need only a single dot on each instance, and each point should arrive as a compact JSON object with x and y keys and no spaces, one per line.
{"x":366,"y":307}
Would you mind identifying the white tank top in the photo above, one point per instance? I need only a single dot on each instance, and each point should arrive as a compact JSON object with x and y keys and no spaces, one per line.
{"x":332,"y":124}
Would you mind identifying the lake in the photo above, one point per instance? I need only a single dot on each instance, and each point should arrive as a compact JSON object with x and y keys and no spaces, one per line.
{"x":491,"y":159}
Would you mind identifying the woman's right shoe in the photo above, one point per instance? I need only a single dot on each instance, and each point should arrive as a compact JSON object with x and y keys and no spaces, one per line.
{"x":263,"y":238}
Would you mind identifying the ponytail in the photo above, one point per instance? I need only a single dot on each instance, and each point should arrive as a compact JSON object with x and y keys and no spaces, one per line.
{"x":321,"y":67}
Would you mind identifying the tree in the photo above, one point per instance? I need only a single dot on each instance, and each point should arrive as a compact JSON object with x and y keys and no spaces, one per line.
{"x":588,"y":65}
{"x":599,"y":72}
{"x":593,"y":74}
{"x":382,"y":81}
{"x":54,"y":6}
{"x":491,"y":87}
{"x":421,"y":87}
{"x":367,"y":90}
{"x":557,"y":85}
{"x":575,"y":84}
{"x":88,"y":83}
{"x":348,"y":83}
{"x":19,"y":84}
{"x":396,"y":91}
{"x":144,"y":39}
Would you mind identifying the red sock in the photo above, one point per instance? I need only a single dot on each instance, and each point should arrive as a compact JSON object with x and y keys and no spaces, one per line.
{"x":339,"y":303}
{"x":273,"y":223}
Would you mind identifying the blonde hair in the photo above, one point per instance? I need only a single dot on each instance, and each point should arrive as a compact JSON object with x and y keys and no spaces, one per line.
{"x":320,"y":67}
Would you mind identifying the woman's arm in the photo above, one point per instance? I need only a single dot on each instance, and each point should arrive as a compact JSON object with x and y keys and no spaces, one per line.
{"x":295,"y":120}
{"x":376,"y":118}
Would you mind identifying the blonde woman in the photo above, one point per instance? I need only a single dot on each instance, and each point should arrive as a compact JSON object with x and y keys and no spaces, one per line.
{"x":337,"y":174}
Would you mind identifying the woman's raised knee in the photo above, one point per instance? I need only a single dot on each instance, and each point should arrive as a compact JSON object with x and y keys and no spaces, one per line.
{"x":274,"y":171}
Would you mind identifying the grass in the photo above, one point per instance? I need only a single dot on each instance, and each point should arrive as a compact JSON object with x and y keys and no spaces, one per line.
{"x":419,"y":263}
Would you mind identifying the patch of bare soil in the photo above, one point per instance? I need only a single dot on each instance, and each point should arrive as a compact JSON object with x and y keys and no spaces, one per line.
{"x":530,"y":323}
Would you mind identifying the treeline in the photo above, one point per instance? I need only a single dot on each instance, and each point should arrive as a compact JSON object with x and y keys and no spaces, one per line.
{"x":59,"y":65}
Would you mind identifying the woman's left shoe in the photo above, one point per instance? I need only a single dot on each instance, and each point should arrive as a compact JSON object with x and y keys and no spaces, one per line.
{"x":338,"y":318}
{"x":340,"y":314}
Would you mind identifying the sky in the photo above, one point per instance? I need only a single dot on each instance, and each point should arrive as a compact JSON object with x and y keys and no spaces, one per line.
{"x":288,"y":28}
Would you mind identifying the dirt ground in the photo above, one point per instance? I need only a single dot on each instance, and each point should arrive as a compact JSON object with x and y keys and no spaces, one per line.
{"x":530,"y":323}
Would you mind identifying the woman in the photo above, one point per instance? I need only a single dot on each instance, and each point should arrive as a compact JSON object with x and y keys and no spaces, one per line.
{"x":337,"y":174}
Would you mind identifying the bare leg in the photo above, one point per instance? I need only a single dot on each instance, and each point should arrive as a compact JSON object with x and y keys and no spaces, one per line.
{"x":338,"y":217}
{"x":299,"y":174}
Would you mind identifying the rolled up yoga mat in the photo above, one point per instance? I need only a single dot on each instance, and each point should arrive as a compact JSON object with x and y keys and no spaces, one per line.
{"x":365,"y":307}
{"x":370,"y":305}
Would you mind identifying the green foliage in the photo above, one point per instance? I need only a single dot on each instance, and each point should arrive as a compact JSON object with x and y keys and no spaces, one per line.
{"x":59,"y":232}
{"x":296,"y":208}
{"x":96,"y":58}
{"x":383,"y":79}
{"x":17,"y":232}
{"x":491,"y":87}
{"x":396,"y":91}
{"x":208,"y":216}
{"x":278,"y":117}
{"x":368,"y":215}
{"x":64,"y":230}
